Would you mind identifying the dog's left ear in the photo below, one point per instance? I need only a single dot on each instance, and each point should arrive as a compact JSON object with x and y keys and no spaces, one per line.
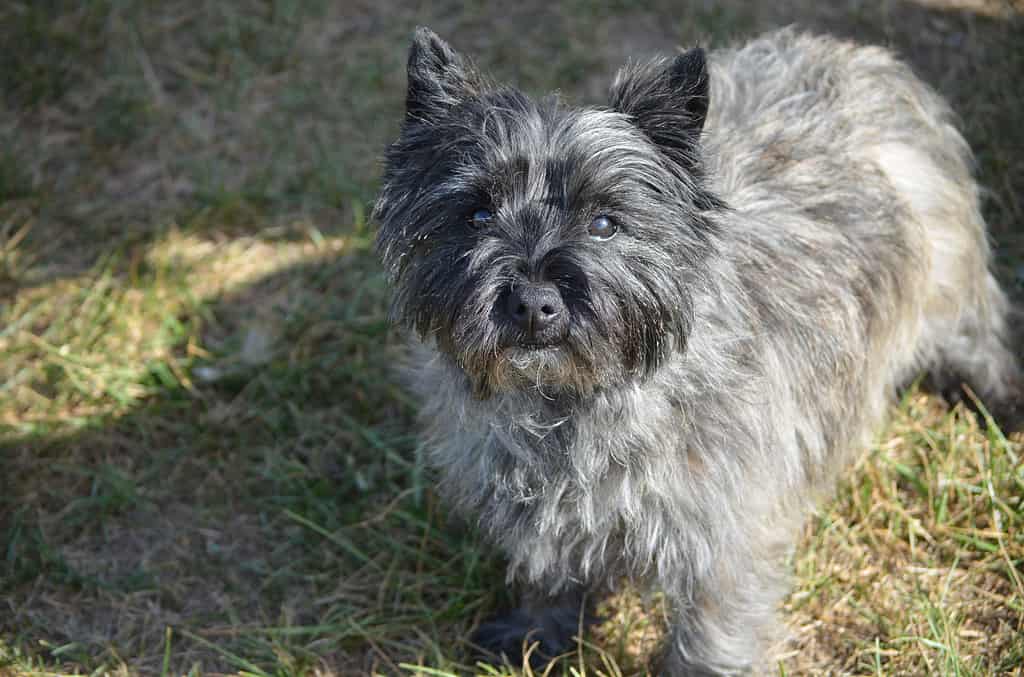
{"x":668,"y":101}
{"x":439,"y":77}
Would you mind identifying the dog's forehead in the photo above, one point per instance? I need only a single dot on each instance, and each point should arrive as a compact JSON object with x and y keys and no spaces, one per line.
{"x":548,"y":130}
{"x":548,"y":148}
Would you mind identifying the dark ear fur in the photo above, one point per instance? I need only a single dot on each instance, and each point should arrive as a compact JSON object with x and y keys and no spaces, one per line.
{"x":668,"y":101}
{"x":438,"y":76}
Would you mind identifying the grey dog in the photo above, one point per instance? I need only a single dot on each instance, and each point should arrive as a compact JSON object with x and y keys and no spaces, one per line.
{"x":646,"y":335}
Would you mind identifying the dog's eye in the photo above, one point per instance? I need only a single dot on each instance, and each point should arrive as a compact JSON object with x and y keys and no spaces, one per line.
{"x":481,"y":218}
{"x":602,"y":228}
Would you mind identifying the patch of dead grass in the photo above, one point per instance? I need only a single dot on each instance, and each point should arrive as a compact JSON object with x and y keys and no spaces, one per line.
{"x":915,"y":568}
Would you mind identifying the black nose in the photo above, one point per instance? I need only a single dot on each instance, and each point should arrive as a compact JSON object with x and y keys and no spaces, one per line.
{"x":538,"y":310}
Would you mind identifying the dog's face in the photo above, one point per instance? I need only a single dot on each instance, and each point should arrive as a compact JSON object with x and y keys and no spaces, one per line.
{"x":540,"y":245}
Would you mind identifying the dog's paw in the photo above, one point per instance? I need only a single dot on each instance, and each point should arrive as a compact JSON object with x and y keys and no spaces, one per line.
{"x":514,"y":633}
{"x":1010,"y":417}
{"x":1008,"y":411}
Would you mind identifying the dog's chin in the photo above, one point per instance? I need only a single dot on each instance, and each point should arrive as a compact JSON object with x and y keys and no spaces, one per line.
{"x":534,"y":364}
{"x":549,"y":368}
{"x":529,"y":359}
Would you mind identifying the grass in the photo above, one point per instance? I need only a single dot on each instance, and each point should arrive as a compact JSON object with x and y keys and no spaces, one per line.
{"x":206,"y":463}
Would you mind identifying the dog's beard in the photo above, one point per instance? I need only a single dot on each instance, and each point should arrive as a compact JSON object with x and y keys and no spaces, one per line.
{"x":567,"y":367}
{"x":549,"y":368}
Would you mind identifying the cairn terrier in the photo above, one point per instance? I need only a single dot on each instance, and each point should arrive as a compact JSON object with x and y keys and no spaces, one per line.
{"x":651,"y":332}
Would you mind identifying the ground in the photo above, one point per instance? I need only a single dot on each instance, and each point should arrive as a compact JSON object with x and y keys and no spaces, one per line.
{"x":206,"y":463}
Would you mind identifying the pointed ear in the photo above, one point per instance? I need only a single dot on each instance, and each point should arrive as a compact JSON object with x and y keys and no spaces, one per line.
{"x":668,"y":101}
{"x":438,"y":77}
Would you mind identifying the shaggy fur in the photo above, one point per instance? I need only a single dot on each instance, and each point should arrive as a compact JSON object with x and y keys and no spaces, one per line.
{"x":798,"y":237}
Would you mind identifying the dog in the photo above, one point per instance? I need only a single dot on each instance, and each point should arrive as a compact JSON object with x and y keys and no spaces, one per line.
{"x":647,"y":335}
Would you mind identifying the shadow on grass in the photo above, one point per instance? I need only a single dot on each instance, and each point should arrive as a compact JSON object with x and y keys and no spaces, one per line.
{"x":271,"y":509}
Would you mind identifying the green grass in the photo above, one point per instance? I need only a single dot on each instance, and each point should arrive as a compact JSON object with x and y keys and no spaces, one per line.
{"x":207,"y":464}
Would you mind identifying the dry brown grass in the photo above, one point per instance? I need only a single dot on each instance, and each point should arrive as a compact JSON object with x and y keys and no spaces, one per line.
{"x":205,"y":463}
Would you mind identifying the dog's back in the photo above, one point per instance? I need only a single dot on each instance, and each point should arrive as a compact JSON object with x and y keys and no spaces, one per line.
{"x":848,"y":169}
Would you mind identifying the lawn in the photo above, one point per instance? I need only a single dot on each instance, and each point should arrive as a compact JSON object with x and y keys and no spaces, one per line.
{"x":207,"y":465}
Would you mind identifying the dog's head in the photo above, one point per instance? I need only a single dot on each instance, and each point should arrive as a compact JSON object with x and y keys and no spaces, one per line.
{"x":541,"y":245}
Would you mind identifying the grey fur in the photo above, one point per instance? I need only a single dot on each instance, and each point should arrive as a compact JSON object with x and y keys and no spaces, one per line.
{"x":776,"y":280}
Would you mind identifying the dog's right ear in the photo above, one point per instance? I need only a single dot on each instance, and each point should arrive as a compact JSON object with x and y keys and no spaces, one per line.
{"x":668,"y":101}
{"x":438,"y":77}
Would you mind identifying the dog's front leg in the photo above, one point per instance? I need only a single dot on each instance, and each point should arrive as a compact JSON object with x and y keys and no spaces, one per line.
{"x":725,"y":626}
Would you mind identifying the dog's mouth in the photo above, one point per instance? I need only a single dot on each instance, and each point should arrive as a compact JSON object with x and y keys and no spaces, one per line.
{"x":518,"y":359}
{"x":531,"y":346}
{"x":516,"y":341}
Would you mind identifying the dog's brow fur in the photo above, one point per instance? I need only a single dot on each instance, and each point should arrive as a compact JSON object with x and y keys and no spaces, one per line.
{"x":771,"y":288}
